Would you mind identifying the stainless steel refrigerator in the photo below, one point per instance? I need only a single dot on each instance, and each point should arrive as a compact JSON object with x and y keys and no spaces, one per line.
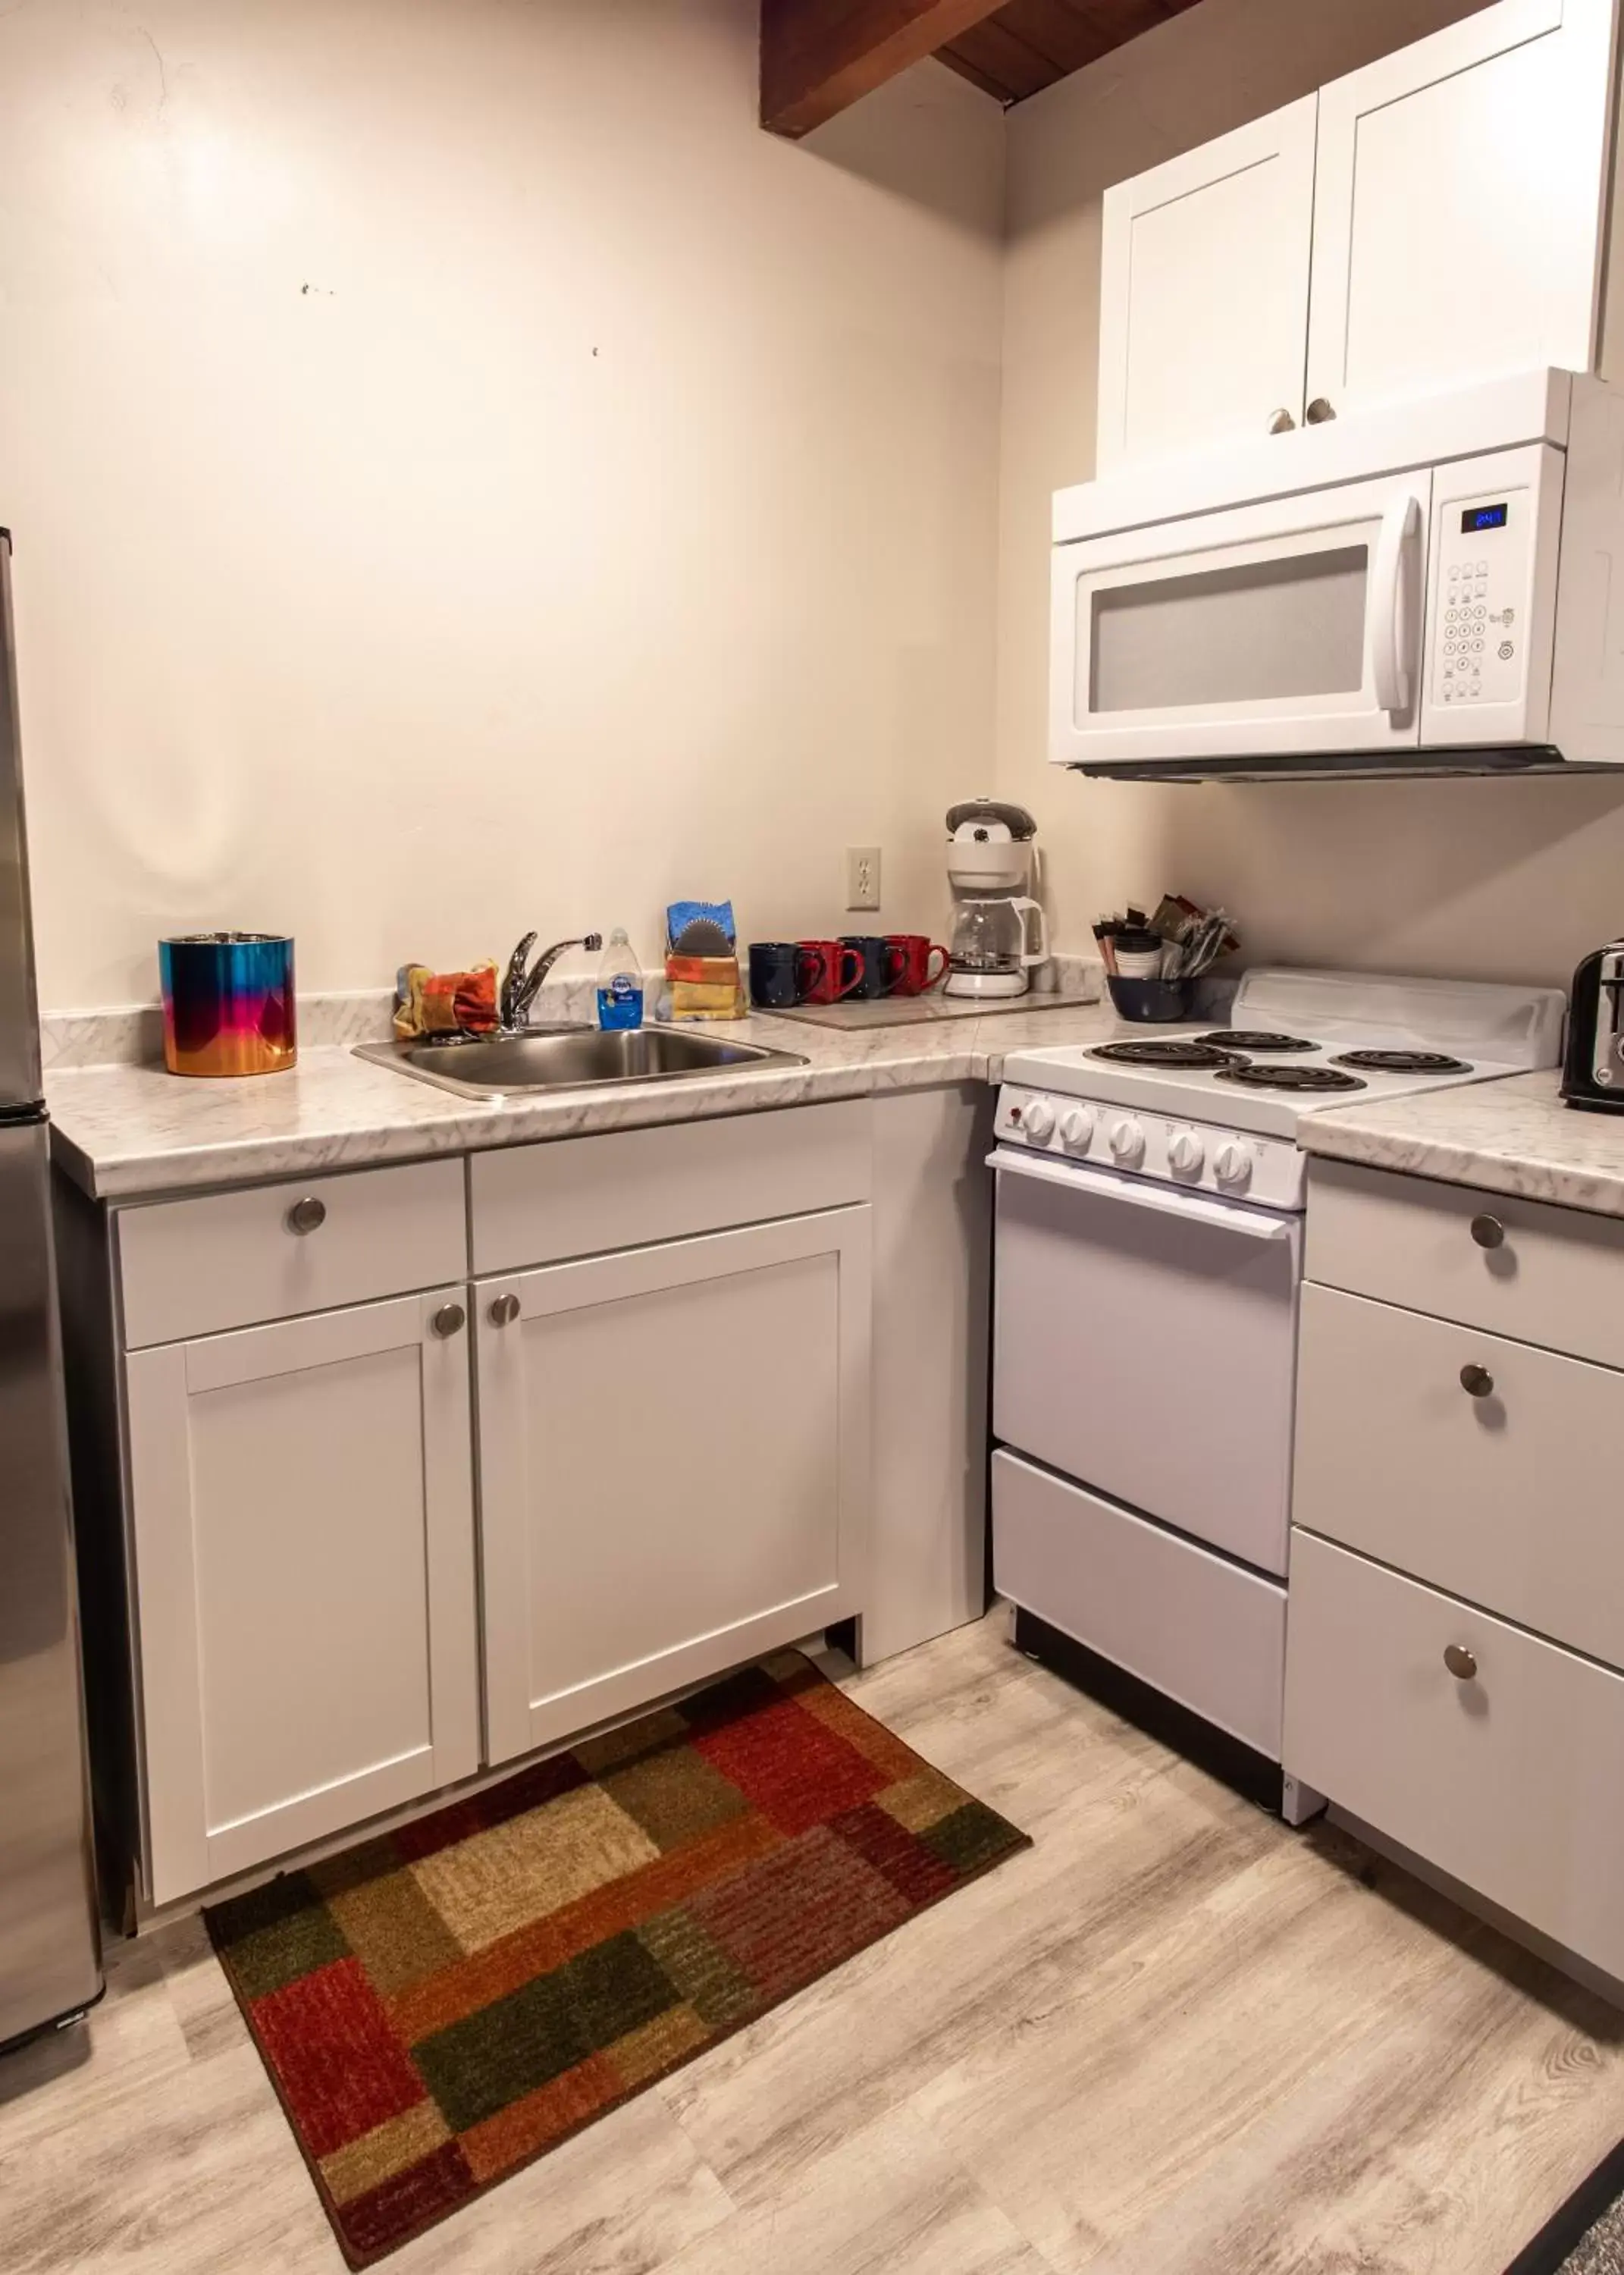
{"x":51,"y":1966}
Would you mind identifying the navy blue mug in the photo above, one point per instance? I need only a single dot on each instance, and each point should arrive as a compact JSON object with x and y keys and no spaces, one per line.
{"x":776,"y":974}
{"x":881,"y":968}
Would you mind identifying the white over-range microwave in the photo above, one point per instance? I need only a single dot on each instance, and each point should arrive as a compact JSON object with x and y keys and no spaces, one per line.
{"x":1437,"y":587}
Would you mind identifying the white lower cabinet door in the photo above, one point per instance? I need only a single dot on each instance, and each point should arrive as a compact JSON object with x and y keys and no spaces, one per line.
{"x":1495,"y":1755}
{"x":674,"y":1452}
{"x":302,"y":1509}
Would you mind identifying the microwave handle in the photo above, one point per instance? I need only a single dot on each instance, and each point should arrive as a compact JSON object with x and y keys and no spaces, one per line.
{"x":1393,"y":605}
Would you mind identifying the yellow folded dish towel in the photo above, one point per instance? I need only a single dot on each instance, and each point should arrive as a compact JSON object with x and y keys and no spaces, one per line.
{"x":705,"y":987}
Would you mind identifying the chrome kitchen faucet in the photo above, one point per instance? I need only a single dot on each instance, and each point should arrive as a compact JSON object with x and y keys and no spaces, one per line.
{"x":520,"y":985}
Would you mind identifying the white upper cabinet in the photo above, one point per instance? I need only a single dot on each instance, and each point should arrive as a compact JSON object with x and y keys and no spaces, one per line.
{"x":1204,"y":293}
{"x":1434,"y":219}
{"x":1458,"y":206}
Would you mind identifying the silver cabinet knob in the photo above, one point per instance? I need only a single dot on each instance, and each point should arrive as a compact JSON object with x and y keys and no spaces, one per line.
{"x":1488,"y":1232}
{"x":504,"y":1311}
{"x":308,"y":1215}
{"x":449,"y":1319}
{"x":1318,"y":410}
{"x":1476,"y":1381}
{"x":1460,"y":1661}
{"x":1283,"y":423}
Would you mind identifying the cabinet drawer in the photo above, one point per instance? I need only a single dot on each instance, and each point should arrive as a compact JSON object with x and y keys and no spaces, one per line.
{"x":1509,"y":1781}
{"x":1509,"y":1498}
{"x":1203,"y":1630}
{"x":584,"y":1196}
{"x":196,"y":1267}
{"x":1554,"y":1276}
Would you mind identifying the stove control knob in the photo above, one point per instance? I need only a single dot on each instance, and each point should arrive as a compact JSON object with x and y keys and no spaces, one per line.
{"x":1186,"y":1151}
{"x":1077,"y":1129}
{"x":1234,"y":1165}
{"x":1038,"y":1122}
{"x":1126,"y":1142}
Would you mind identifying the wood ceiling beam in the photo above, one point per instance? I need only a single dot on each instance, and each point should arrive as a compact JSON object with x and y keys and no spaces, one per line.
{"x":818,"y":55}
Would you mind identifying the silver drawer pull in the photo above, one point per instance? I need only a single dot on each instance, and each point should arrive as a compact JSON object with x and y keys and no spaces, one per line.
{"x":1460,"y":1661}
{"x":308,"y":1215}
{"x":1283,"y":423}
{"x":1488,"y":1232}
{"x":1319,"y":410}
{"x":504,"y":1311}
{"x":449,"y":1319}
{"x":1476,"y":1381}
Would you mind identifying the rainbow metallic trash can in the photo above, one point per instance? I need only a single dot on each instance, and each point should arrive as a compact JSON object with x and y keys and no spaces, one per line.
{"x":228,"y":1003}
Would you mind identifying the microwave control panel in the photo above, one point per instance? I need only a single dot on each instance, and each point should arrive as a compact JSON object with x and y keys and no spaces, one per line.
{"x":1491,"y":608}
{"x":1480,"y":599}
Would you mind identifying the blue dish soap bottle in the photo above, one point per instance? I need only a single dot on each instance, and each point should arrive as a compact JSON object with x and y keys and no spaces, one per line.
{"x":620,"y":983}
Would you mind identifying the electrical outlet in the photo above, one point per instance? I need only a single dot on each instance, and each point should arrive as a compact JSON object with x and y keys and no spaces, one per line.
{"x":862,"y":876}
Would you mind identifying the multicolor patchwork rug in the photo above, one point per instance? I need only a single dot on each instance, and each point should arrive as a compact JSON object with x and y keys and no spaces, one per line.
{"x":440,"y":2004}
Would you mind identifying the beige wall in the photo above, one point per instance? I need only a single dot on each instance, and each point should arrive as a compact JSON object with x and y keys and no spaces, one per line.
{"x":465,"y":476}
{"x":1490,"y":880}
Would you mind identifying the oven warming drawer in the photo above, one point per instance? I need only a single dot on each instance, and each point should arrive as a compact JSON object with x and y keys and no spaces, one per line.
{"x":1197,"y":1628}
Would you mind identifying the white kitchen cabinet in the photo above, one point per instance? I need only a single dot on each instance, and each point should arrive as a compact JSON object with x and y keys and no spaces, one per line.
{"x":1434,"y":219}
{"x":302,"y":1522}
{"x":674,"y":1459}
{"x":1204,"y":293}
{"x":1458,"y":205}
{"x":1492,"y":1473}
{"x":1492,"y":1754}
{"x":1453,"y":1639}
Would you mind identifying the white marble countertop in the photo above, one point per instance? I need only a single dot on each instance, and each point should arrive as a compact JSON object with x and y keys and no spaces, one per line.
{"x":1515,"y":1135}
{"x":126,"y":1130}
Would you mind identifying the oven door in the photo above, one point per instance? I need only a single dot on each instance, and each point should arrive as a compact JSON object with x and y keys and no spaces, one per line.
{"x":1274,"y":629}
{"x":1145,"y":1344}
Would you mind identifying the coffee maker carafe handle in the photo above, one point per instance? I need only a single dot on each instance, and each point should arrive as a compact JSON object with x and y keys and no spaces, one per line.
{"x":1026,"y":909}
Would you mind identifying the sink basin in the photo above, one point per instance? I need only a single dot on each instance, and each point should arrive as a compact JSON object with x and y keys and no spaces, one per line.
{"x":572,"y":1058}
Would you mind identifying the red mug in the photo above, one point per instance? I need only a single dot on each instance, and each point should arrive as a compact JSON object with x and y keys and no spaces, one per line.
{"x":825,"y":970}
{"x":907,"y":962}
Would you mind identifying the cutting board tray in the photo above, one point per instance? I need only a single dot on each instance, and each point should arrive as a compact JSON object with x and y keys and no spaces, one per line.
{"x":917,"y":1010}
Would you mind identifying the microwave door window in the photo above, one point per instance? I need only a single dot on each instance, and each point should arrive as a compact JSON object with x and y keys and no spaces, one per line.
{"x":1251,"y":633}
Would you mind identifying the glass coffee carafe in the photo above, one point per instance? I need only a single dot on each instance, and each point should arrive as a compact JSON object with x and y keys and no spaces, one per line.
{"x":996,"y":941}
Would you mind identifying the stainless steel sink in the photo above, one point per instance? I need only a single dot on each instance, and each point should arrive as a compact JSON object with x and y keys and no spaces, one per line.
{"x":572,"y":1058}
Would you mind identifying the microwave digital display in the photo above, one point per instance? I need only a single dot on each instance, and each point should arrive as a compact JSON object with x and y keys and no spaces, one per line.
{"x":1483,"y":517}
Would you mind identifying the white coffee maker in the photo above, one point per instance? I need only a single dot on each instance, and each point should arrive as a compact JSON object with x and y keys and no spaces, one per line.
{"x":999,"y":930}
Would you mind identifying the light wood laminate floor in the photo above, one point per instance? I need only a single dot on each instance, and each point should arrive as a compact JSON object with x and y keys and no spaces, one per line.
{"x":1174,"y":2038}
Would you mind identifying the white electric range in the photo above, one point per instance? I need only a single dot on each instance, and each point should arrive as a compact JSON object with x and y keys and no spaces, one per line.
{"x":1149,"y":1265}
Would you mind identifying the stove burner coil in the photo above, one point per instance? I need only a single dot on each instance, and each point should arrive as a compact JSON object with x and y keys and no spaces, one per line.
{"x":1170,"y":1054}
{"x":1242,"y":1039}
{"x":1403,"y":1062}
{"x":1288,"y":1078}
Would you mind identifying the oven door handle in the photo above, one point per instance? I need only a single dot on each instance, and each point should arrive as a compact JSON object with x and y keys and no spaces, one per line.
{"x":1194,"y":1206}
